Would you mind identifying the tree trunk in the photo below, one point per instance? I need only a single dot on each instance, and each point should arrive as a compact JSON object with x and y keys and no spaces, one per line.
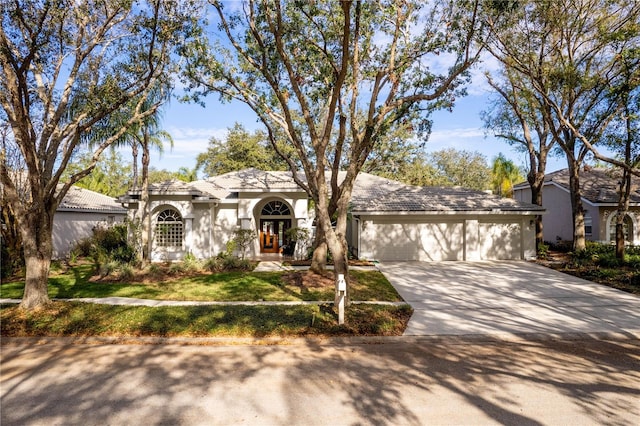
{"x":145,"y":216}
{"x":38,"y":249}
{"x":623,"y":208}
{"x":134,"y":165}
{"x":536,"y":182}
{"x":579,"y":241}
{"x":319,"y":257}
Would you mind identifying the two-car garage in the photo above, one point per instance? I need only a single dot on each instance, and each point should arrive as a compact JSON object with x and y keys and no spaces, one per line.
{"x":445,"y":237}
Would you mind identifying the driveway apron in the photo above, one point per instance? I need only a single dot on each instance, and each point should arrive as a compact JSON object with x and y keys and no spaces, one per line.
{"x":509,"y":298}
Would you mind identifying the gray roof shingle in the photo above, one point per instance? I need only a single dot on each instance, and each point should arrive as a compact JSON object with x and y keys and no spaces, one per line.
{"x":370,"y":194}
{"x":375,"y":194}
{"x":597,"y":185}
{"x":80,"y":199}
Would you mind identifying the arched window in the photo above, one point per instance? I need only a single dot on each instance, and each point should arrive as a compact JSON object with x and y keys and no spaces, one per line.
{"x":627,"y":228}
{"x":276,"y":208}
{"x":169,"y":229}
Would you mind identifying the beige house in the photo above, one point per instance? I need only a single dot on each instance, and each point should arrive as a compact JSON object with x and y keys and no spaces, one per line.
{"x":600,"y":201}
{"x":388,"y":220}
{"x":78,"y":214}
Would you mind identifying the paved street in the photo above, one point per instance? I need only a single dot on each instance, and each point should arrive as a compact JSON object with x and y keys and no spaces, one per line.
{"x":415,"y":382}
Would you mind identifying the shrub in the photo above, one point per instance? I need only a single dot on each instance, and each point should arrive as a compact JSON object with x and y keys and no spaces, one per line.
{"x":190,"y":262}
{"x":224,"y":262}
{"x":84,"y":247}
{"x":108,"y":267}
{"x":213,"y":264}
{"x":242,"y":239}
{"x":176,"y":268}
{"x":608,"y":260}
{"x":154,"y":270}
{"x":543,"y":251}
{"x":126,"y":273}
{"x":560,"y":245}
{"x":107,"y":244}
{"x":593,"y":253}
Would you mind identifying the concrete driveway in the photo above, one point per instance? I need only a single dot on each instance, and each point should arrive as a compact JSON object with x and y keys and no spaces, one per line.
{"x":504,"y":299}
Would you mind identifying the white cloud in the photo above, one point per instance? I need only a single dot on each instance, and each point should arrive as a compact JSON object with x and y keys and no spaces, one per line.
{"x":188,"y":142}
{"x":443,"y":136}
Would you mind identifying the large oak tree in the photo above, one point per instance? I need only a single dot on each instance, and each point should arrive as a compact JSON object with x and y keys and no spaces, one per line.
{"x":571,"y":55}
{"x":334,"y":78}
{"x":66,"y":67}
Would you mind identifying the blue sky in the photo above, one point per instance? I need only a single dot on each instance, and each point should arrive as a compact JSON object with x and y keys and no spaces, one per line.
{"x":191,"y":127}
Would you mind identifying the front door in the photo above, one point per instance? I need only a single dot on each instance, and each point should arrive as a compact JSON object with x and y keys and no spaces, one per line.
{"x":272,"y":234}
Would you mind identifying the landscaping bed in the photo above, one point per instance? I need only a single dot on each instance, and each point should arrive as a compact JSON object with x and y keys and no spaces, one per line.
{"x":597,"y":263}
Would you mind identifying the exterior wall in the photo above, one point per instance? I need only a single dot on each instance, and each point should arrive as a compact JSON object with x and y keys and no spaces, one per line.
{"x":226,"y":221}
{"x":70,"y":227}
{"x":558,"y":220}
{"x":208,"y":228}
{"x":185,"y":207}
{"x":434,"y":238}
{"x":201,"y":239}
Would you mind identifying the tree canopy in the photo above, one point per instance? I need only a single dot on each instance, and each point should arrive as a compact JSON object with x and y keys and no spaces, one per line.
{"x":333,"y":78}
{"x":67,"y":66}
{"x":572,"y":62}
{"x":239,"y":150}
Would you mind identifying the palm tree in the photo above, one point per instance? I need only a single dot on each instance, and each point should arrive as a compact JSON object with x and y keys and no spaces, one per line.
{"x":504,"y":173}
{"x":145,"y":135}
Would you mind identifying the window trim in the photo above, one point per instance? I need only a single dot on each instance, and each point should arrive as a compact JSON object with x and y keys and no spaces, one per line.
{"x":173,"y":234}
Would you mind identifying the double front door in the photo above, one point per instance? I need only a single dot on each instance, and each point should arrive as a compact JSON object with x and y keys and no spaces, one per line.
{"x":272,"y":234}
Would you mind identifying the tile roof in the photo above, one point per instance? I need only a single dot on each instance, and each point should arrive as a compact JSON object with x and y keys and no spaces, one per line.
{"x":173,"y":186}
{"x":375,"y":194}
{"x":255,"y":180}
{"x":370,"y":194}
{"x":597,"y":185}
{"x":80,"y":199}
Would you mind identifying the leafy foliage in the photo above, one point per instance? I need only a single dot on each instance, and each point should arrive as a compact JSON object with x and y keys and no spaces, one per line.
{"x":107,"y":244}
{"x":334,"y":79}
{"x":239,"y":150}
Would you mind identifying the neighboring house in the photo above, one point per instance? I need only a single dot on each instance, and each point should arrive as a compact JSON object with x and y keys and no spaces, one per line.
{"x":78,"y":214}
{"x":600,"y":202}
{"x":388,"y":220}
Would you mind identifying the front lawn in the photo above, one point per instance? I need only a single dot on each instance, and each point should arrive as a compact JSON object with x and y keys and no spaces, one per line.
{"x":80,"y":281}
{"x":84,"y":319}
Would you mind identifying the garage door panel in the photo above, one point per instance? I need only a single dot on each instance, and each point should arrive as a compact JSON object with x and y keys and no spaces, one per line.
{"x":424,"y":241}
{"x":500,"y":241}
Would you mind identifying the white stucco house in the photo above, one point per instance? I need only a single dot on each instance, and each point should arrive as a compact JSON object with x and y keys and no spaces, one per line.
{"x":80,"y":211}
{"x":600,"y":201}
{"x":388,"y":221}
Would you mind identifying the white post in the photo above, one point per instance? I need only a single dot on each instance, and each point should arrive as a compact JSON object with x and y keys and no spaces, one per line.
{"x":342,"y":289}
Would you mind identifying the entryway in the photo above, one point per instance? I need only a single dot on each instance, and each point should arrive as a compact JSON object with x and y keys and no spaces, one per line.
{"x":272,"y":234}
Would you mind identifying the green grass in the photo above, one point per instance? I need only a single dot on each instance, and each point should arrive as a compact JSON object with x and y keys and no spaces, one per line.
{"x":226,"y":286}
{"x":85,"y":319}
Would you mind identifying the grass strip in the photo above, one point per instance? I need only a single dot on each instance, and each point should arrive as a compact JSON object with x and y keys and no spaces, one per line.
{"x":60,"y":319}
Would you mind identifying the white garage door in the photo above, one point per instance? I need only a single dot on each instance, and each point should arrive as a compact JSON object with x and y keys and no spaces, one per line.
{"x":500,"y":240}
{"x":424,"y":241}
